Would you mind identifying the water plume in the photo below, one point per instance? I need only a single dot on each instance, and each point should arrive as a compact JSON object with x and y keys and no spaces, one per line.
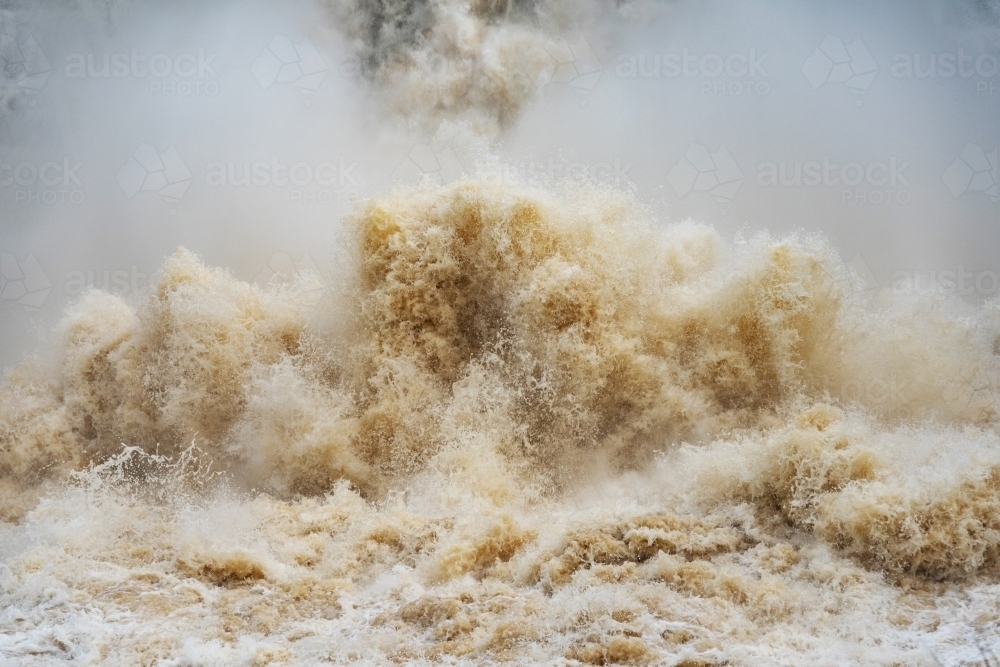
{"x":530,"y":421}
{"x":476,"y":62}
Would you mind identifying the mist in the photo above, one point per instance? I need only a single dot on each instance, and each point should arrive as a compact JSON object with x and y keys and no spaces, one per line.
{"x":646,"y":82}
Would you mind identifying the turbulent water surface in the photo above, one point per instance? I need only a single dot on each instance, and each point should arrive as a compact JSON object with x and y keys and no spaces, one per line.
{"x":530,"y":424}
{"x":477,"y":450}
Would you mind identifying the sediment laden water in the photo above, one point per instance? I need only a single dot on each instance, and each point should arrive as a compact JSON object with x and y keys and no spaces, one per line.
{"x":529,"y":426}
